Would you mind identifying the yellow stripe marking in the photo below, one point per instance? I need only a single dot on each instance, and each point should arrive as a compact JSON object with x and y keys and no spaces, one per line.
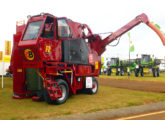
{"x":138,"y":116}
{"x":67,"y":71}
{"x":19,"y":70}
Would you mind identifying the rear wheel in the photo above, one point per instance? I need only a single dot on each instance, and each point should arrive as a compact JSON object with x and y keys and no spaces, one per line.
{"x":117,"y":73}
{"x":63,"y":86}
{"x":142,"y":74}
{"x":109,"y":72}
{"x":129,"y":73}
{"x":95,"y":87}
{"x":122,"y":72}
{"x":136,"y":73}
{"x":158,"y":72}
{"x":154,"y":73}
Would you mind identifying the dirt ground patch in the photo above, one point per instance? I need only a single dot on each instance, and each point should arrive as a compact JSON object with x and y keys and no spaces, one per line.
{"x":134,"y":85}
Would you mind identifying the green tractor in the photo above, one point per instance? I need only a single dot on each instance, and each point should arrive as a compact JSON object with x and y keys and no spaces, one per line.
{"x":146,"y":65}
{"x":115,"y":65}
{"x":131,"y":66}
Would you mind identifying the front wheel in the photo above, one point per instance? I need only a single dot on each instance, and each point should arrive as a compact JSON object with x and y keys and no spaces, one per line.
{"x":122,"y":73}
{"x":117,"y":73}
{"x":136,"y":73}
{"x":129,"y":73}
{"x":109,"y":72}
{"x":63,"y":86}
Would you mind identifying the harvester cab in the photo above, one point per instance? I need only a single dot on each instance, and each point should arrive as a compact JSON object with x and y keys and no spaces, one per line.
{"x":146,"y":60}
{"x":115,"y":66}
{"x":53,"y":57}
{"x":148,"y":65}
{"x":114,"y":62}
{"x":43,"y":37}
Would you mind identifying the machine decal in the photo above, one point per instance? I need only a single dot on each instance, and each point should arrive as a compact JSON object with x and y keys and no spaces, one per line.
{"x":19,"y":70}
{"x":88,"y":82}
{"x":145,"y":70}
{"x":96,"y":65}
{"x":91,"y":58}
{"x":29,"y":54}
{"x":47,"y":49}
{"x":113,"y":70}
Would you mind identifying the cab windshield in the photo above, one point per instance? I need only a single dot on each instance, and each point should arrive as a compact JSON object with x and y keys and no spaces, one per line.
{"x":145,"y":58}
{"x":113,"y":61}
{"x":32,"y":30}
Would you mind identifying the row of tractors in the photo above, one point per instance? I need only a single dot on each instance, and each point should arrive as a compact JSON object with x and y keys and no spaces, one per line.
{"x":138,"y":66}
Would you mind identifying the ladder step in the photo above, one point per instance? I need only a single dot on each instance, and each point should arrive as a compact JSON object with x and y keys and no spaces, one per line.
{"x":53,"y":89}
{"x":52,"y":95}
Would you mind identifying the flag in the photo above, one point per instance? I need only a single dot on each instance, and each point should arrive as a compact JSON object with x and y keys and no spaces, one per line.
{"x":157,"y":26}
{"x":102,"y":59}
{"x":129,"y":34}
{"x":131,"y":49}
{"x":7,"y":59}
{"x":1,"y":56}
{"x":7,"y":47}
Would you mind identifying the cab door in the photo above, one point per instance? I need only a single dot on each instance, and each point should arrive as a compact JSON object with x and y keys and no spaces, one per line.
{"x":50,"y":47}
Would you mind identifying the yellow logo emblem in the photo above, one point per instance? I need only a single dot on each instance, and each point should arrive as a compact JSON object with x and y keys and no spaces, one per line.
{"x":29,"y":54}
{"x":47,"y":49}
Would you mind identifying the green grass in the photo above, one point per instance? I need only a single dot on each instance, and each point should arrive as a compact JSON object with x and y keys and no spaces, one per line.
{"x":106,"y":98}
{"x":147,"y":77}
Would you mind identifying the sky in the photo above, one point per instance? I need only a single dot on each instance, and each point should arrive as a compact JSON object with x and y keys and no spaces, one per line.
{"x":101,"y":15}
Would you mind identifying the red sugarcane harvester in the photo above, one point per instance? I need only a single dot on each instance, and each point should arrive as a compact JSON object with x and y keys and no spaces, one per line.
{"x":54,"y":57}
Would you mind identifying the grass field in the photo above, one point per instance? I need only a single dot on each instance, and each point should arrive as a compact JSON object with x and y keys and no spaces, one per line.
{"x":146,"y":77}
{"x":106,"y":98}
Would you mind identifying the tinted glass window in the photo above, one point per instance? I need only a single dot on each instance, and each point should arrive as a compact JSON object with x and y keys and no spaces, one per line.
{"x":48,"y":30}
{"x":145,"y":58}
{"x":113,"y":61}
{"x":32,"y":30}
{"x":63,"y":28}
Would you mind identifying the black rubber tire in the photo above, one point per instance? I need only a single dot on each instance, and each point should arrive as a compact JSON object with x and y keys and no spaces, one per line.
{"x":154,"y":72}
{"x":117,"y":73}
{"x":122,"y":73}
{"x":92,"y":91}
{"x":129,"y":73}
{"x":142,"y":74}
{"x":109,"y":72}
{"x":57,"y":101}
{"x":136,"y":73}
{"x":158,"y":74}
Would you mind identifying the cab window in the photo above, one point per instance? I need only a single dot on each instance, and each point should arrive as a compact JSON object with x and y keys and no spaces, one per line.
{"x":63,"y":28}
{"x":48,"y":29}
{"x":32,"y":30}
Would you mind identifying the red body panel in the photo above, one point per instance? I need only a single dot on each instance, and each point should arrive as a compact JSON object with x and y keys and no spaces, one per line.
{"x":19,"y":86}
{"x":46,"y":54}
